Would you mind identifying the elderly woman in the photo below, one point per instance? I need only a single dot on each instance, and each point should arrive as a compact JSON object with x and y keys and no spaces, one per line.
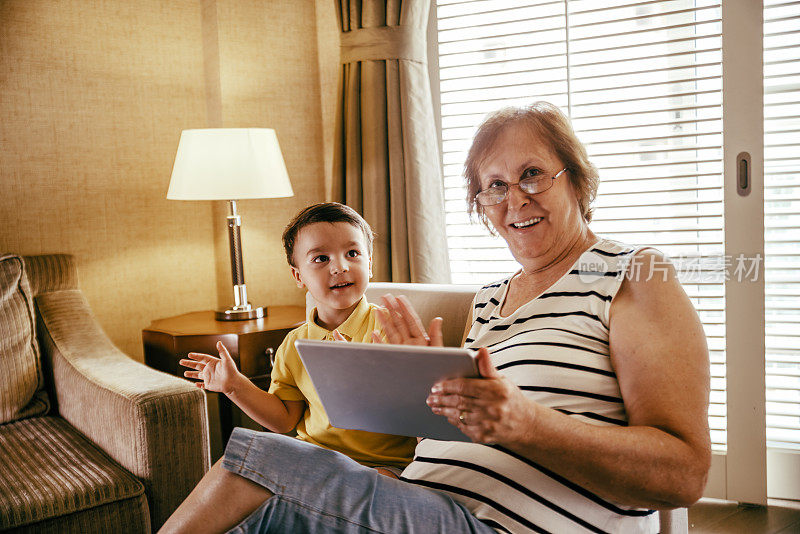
{"x":591,"y":409}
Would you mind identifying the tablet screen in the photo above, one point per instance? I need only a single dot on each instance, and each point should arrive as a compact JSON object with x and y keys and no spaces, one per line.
{"x":381,"y":387}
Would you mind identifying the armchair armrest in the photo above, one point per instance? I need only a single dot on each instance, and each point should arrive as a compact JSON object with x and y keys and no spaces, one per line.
{"x":152,"y":423}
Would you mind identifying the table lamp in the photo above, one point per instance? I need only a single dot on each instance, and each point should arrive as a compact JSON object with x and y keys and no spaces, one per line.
{"x":230,"y":164}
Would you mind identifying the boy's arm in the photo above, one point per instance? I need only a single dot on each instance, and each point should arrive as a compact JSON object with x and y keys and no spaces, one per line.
{"x":221,"y":375}
{"x":265,"y":408}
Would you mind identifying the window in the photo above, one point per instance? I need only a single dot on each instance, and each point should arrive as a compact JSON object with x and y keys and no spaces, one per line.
{"x":642,"y":83}
{"x":781,"y":229}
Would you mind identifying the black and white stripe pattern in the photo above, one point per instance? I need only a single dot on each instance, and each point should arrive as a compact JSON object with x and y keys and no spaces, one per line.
{"x":555,"y":348}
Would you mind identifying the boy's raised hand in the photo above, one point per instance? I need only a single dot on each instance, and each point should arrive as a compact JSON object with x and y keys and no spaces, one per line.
{"x":402,"y":324}
{"x":215,"y":374}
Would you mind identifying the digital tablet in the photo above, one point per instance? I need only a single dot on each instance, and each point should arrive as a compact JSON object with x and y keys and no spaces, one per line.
{"x":382,"y":388}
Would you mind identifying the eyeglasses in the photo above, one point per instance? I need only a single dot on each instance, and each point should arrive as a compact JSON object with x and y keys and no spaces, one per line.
{"x":497,"y":193}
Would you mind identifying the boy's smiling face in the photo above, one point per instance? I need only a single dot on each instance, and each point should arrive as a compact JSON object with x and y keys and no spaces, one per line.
{"x":333,"y":261}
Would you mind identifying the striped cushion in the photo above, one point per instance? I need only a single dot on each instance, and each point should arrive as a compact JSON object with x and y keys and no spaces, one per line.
{"x":49,"y":470}
{"x":21,"y":383}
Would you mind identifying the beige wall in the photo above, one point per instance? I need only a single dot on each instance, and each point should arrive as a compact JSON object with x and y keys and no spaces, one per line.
{"x":329,"y":70}
{"x":93,"y":97}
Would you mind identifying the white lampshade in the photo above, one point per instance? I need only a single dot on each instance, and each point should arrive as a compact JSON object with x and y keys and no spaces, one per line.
{"x":228,"y":164}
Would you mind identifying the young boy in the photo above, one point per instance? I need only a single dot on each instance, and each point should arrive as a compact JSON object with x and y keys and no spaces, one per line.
{"x":329,"y":249}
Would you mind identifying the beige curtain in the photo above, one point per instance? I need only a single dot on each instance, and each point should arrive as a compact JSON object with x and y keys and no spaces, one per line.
{"x":386,"y":154}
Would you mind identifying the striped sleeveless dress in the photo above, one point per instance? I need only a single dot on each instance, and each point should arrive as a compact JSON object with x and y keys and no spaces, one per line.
{"x":555,"y":349}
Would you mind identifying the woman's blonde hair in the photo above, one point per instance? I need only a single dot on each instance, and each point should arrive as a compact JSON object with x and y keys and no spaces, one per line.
{"x":550,"y":125}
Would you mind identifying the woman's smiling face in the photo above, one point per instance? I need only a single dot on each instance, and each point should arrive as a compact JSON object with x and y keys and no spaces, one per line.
{"x":538,"y":228}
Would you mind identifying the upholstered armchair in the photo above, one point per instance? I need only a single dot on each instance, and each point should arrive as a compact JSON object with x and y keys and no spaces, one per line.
{"x":91,"y":440}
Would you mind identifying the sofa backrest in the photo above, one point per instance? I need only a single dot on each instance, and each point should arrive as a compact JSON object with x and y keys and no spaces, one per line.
{"x":453,"y":303}
{"x":449,"y":301}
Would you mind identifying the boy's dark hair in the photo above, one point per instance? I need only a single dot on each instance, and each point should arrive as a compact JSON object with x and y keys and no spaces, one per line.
{"x":329,"y":212}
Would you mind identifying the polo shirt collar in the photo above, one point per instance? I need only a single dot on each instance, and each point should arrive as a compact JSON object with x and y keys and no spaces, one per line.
{"x":349,"y":328}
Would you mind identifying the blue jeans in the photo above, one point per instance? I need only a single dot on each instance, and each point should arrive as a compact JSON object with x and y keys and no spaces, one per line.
{"x":319,"y":490}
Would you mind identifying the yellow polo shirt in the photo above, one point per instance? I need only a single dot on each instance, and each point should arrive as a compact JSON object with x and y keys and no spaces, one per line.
{"x":291,"y":382}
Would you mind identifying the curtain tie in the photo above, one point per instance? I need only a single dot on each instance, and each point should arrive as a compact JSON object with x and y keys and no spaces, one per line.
{"x":384,"y":42}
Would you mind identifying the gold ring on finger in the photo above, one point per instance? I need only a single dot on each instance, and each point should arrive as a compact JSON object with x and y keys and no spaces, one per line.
{"x":463,"y":417}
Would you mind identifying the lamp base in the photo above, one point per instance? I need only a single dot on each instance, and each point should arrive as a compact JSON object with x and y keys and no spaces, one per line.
{"x":240,"y":315}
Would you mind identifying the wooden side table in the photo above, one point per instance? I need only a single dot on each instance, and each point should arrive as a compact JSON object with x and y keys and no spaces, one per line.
{"x":249,"y":342}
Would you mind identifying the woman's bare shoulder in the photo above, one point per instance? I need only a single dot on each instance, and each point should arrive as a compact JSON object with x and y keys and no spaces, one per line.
{"x":649,"y":272}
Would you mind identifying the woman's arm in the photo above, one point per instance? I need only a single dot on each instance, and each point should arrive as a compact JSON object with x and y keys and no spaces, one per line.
{"x":221,"y":375}
{"x":659,"y":353}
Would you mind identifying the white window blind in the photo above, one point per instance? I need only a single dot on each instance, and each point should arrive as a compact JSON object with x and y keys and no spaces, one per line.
{"x":641,"y":82}
{"x":782,"y":221}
